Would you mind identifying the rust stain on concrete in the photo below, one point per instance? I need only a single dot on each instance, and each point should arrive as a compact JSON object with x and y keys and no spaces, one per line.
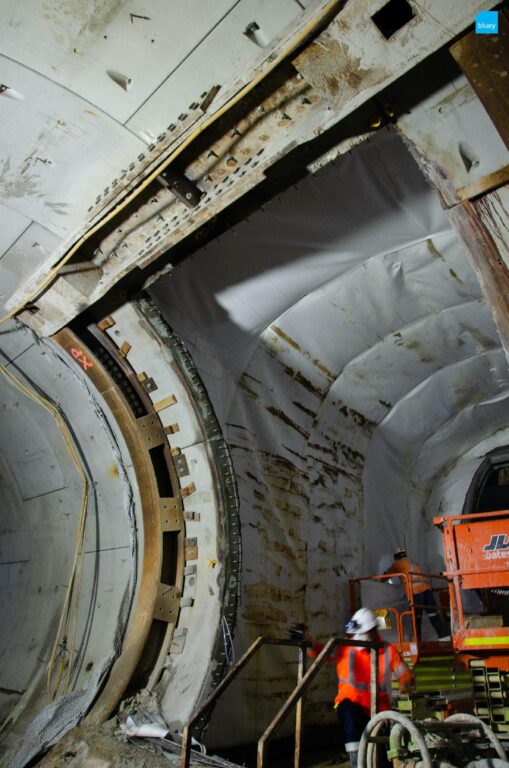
{"x":247,"y":389}
{"x":455,"y":276}
{"x":254,"y":478}
{"x":288,"y":509}
{"x":295,"y":453}
{"x":236,"y":426}
{"x":332,"y":471}
{"x":353,"y":457}
{"x":358,"y":418}
{"x":322,"y":449}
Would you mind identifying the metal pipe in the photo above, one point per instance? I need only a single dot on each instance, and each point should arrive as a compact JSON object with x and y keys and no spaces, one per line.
{"x":395,"y":739}
{"x":372,"y":752}
{"x":298,"y":711}
{"x":233,"y":672}
{"x":401,"y":723}
{"x":294,"y":696}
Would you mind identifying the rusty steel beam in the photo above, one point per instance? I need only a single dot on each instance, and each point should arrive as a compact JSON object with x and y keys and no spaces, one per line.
{"x":484,"y":60}
{"x":481,"y":226}
{"x":374,"y":687}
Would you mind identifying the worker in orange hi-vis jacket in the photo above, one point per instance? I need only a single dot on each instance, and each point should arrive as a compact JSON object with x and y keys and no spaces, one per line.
{"x":353,"y":668}
{"x":418,"y":590}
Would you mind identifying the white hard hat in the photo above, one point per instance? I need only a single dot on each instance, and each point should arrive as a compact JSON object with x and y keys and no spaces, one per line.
{"x":363,"y":620}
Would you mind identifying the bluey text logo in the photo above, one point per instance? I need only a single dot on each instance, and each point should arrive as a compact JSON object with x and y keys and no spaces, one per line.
{"x":486,"y":23}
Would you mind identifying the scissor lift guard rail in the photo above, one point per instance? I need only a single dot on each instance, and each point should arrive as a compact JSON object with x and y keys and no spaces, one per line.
{"x":295,"y":698}
{"x":408,"y":643}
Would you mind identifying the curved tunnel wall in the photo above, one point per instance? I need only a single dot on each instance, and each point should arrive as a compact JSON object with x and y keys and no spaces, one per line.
{"x":40,"y":531}
{"x":352,"y":361}
{"x":193,"y":657}
{"x":155,"y":592}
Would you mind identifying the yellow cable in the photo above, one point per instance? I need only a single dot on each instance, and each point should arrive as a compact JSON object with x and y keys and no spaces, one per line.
{"x":52,"y":694}
{"x":76,"y":610}
{"x":305,"y":32}
{"x":80,"y":528}
{"x":64,"y":617}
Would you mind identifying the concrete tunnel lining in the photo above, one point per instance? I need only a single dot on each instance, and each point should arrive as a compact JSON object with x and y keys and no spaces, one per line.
{"x":201,"y":644}
{"x":193,"y":511}
{"x":42,"y":530}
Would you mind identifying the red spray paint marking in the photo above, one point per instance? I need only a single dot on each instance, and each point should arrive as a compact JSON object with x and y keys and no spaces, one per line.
{"x":80,"y":356}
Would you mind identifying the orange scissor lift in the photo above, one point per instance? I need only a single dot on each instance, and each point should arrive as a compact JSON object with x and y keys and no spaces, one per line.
{"x":476,"y":549}
{"x":469,"y":671}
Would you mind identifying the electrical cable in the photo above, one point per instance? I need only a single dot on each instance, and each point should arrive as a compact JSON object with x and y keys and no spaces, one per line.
{"x":308,"y":30}
{"x":63,"y":625}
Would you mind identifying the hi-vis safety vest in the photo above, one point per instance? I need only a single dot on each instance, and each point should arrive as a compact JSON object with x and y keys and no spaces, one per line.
{"x":418,"y":582}
{"x":354,"y":675}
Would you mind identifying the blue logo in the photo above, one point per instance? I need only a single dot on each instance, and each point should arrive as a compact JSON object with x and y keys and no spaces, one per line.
{"x":497,"y":548}
{"x":497,"y":542}
{"x":486,"y":23}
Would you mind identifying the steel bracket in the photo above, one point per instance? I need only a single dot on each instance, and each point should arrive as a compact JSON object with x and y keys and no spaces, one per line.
{"x":191,"y":549}
{"x":182,"y":187}
{"x":171,"y":514}
{"x":167,"y":603}
{"x":151,"y":431}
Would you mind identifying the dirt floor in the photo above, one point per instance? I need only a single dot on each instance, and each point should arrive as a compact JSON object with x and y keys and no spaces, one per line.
{"x":90,"y":748}
{"x":98,"y":748}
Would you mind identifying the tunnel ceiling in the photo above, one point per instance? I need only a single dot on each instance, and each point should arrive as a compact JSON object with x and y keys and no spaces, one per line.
{"x":173,"y":134}
{"x":101,"y":82}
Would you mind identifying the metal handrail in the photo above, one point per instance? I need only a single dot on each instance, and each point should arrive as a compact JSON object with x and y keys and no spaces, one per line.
{"x":185,"y":752}
{"x":406,"y":581}
{"x":297,"y":694}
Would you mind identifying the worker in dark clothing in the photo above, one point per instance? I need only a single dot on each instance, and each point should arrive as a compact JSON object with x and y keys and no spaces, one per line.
{"x":418,"y":590}
{"x":353,"y":668}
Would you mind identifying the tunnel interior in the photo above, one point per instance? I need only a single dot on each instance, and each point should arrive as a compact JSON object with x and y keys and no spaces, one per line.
{"x":358,"y":378}
{"x":341,"y":362}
